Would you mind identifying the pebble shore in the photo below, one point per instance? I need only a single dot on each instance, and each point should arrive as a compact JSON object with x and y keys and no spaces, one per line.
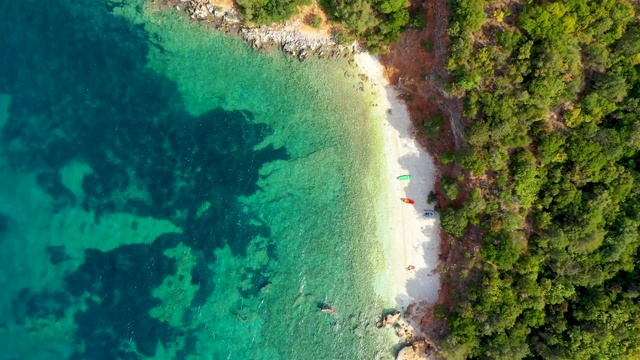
{"x":284,"y":37}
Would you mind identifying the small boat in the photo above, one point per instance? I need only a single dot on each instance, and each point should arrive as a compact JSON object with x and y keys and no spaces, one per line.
{"x":404,"y":177}
{"x":408,"y":201}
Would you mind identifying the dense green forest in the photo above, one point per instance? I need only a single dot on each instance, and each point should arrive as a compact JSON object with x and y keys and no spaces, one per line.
{"x":377,"y":22}
{"x":551,"y":95}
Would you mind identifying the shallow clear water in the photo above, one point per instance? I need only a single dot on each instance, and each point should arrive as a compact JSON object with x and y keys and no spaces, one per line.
{"x":167,"y":193}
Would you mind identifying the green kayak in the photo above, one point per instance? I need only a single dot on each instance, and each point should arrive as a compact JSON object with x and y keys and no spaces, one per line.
{"x":404,"y":177}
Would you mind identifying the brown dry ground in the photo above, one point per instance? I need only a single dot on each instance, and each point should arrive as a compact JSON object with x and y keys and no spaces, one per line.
{"x":416,"y":66}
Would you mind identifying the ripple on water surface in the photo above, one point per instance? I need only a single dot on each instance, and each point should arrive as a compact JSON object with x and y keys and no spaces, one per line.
{"x":168,"y":193}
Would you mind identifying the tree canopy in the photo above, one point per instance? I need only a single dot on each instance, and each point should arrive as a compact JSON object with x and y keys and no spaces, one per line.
{"x":552,"y":94}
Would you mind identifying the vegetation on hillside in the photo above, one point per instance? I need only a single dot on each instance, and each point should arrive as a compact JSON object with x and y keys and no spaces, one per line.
{"x":552,"y":94}
{"x":269,"y":11}
{"x":377,"y":22}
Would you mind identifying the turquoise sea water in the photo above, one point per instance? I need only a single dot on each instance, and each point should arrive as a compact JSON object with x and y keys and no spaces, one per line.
{"x":166,"y":193}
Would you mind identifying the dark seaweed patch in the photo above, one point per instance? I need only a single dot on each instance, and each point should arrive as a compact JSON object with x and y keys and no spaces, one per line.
{"x":57,"y":254}
{"x":122,"y":280}
{"x":62,"y":197}
{"x":39,"y":304}
{"x":258,"y":280}
{"x":88,"y":96}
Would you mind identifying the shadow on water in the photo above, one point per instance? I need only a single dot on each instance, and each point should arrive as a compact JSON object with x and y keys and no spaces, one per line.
{"x":81,"y":92}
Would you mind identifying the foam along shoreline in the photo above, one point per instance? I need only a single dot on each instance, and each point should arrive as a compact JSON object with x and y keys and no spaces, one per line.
{"x":414,"y":238}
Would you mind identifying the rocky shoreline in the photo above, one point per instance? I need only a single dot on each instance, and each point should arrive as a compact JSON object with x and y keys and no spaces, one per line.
{"x":284,"y":37}
{"x":415,"y":345}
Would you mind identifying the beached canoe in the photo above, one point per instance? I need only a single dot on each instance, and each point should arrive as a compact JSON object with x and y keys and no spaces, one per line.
{"x":408,"y":201}
{"x":404,"y":177}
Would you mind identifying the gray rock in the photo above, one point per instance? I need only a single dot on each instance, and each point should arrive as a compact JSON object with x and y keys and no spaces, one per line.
{"x":291,"y":42}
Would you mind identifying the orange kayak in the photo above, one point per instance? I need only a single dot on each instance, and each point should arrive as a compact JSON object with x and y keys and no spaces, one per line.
{"x":408,"y":201}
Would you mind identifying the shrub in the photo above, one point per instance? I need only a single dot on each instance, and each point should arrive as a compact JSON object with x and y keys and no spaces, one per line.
{"x":418,"y":20}
{"x":449,"y":187}
{"x":431,"y":197}
{"x":447,"y":157}
{"x":343,"y":37}
{"x":315,"y":21}
{"x":432,"y":127}
{"x":478,"y":133}
{"x":426,"y":45}
{"x":440,"y":311}
{"x":472,"y":159}
{"x":453,"y":222}
{"x":268,"y":11}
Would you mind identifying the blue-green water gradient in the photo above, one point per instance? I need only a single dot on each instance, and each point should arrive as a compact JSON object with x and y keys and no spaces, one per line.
{"x":167,"y":193}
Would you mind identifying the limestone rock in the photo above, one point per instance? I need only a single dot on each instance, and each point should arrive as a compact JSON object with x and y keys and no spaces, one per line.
{"x":389,"y":319}
{"x":402,"y":330}
{"x":416,"y":351}
{"x":393,"y":318}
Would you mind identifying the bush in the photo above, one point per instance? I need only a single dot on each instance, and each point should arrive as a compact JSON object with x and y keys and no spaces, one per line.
{"x":426,"y":45}
{"x":343,"y":37}
{"x":449,"y":188}
{"x":269,"y":11}
{"x":475,"y":204}
{"x":453,"y":222}
{"x":432,"y":127}
{"x":478,"y":133}
{"x":472,"y":159}
{"x":440,"y":311}
{"x":447,"y":157}
{"x":431,"y":197}
{"x":418,"y":20}
{"x":498,"y":158}
{"x":315,"y":21}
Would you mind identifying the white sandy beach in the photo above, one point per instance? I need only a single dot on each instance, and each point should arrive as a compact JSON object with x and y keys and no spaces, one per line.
{"x":414,"y":238}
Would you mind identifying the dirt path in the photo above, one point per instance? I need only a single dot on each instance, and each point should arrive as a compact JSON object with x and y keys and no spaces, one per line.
{"x":416,"y":67}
